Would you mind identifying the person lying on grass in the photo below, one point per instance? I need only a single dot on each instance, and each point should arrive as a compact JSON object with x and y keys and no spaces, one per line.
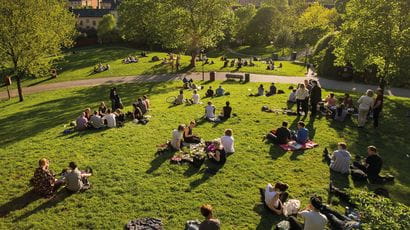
{"x":227,"y":141}
{"x":210,"y":223}
{"x":276,"y":196}
{"x":219,"y":155}
{"x":75,"y":179}
{"x":226,"y":112}
{"x":44,"y":182}
{"x":177,"y":137}
{"x":189,"y":137}
{"x":281,"y":135}
{"x":339,"y":161}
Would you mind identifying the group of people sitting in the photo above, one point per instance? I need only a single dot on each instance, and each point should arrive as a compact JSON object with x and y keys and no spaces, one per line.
{"x":271,"y":65}
{"x":239,"y":62}
{"x":261,"y":91}
{"x":196,"y":98}
{"x":101,"y":68}
{"x":103,"y":117}
{"x":219,"y":92}
{"x":283,"y":135}
{"x":369,"y":169}
{"x":46,"y":184}
{"x":130,"y":59}
{"x":210,"y":111}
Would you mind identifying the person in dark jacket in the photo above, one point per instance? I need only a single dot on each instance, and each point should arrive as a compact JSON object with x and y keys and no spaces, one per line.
{"x":315,"y":97}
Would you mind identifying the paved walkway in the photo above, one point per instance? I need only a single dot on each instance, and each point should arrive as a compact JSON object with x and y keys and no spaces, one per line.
{"x":325,"y":83}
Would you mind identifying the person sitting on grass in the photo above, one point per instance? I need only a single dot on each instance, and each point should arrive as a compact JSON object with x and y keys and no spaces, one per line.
{"x":226,"y":111}
{"x":219,"y":156}
{"x":75,"y":179}
{"x":44,"y":182}
{"x":372,"y":166}
{"x":314,"y":220}
{"x":88,"y":113}
{"x":195,"y":98}
{"x":189,"y":137}
{"x":261,"y":90}
{"x":275,"y":197}
{"x":81,"y":122}
{"x":210,"y":223}
{"x":340,"y":113}
{"x":146,"y":101}
{"x":119,"y":118}
{"x":272,"y":90}
{"x":96,"y":121}
{"x":302,"y":135}
{"x":102,"y":109}
{"x":180,"y":98}
{"x":330,"y":102}
{"x":227,"y":141}
{"x":137,"y":114}
{"x":281,"y":135}
{"x":292,"y":98}
{"x":339,"y":161}
{"x":177,"y":137}
{"x":141,"y":105}
{"x":109,"y":119}
{"x":209,"y":92}
{"x":220,"y":91}
{"x":348,"y":101}
{"x":210,"y":112}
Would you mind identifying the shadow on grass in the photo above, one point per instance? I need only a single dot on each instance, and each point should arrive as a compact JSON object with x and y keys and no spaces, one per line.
{"x":40,"y":82}
{"x":268,"y":220}
{"x":211,"y":170}
{"x":160,"y":159}
{"x":18,"y":203}
{"x":59,"y":197}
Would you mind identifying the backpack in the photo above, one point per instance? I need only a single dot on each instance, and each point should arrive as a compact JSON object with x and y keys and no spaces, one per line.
{"x":358,"y":175}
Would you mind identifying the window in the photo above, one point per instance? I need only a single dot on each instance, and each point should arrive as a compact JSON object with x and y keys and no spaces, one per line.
{"x":81,"y":22}
{"x":87,"y":20}
{"x":94,"y":23}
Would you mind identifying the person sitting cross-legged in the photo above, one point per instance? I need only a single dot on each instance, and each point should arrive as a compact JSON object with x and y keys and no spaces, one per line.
{"x":210,"y":112}
{"x":210,"y":223}
{"x":227,"y":141}
{"x":96,"y":121}
{"x":226,"y":112}
{"x":81,"y":122}
{"x":340,"y":159}
{"x":195,"y":98}
{"x":302,"y":135}
{"x":281,"y":135}
{"x":220,"y":91}
{"x":219,"y":156}
{"x":209,"y":92}
{"x":314,"y":220}
{"x":75,"y":179}
{"x":109,"y":118}
{"x":180,"y":98}
{"x":177,"y":137}
{"x":189,"y":137}
{"x":276,"y":196}
{"x":272,"y":90}
{"x":44,"y":182}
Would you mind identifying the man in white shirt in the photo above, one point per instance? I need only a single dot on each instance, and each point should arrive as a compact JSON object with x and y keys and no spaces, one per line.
{"x":227,"y":142}
{"x":110,"y":118}
{"x":340,"y":159}
{"x":314,"y":220}
{"x":210,"y":111}
{"x":195,"y":97}
{"x":96,"y":121}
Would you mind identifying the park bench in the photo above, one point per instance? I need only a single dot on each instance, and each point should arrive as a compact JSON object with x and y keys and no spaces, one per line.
{"x":238,"y":76}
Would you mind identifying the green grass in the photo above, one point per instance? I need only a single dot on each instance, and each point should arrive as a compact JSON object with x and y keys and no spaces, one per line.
{"x":79,"y":65}
{"x":130,"y":182}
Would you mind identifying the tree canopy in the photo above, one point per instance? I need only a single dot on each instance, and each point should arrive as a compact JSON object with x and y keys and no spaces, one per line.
{"x":32,"y":33}
{"x":106,"y":30}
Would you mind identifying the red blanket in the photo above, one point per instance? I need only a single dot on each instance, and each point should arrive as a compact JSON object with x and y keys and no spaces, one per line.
{"x":307,"y":145}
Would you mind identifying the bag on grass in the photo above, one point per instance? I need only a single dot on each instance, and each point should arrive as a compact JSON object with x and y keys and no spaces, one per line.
{"x":291,"y":207}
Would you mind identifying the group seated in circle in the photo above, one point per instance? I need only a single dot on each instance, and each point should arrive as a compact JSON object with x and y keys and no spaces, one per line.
{"x":101,"y":68}
{"x":46,"y":184}
{"x":130,"y":59}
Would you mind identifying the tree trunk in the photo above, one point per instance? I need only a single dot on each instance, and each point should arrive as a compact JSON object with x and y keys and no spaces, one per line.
{"x":193,"y":59}
{"x":20,"y":91}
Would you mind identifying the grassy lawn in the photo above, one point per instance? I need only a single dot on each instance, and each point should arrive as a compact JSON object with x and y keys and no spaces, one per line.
{"x":130,"y":181}
{"x":79,"y":65}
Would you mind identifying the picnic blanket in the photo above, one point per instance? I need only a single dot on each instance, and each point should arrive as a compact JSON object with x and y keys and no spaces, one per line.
{"x":294,"y":146}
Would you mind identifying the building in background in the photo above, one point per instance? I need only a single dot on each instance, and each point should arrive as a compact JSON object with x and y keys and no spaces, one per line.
{"x":89,"y":18}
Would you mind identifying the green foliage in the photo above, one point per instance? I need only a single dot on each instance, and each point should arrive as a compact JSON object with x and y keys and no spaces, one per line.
{"x":381,"y":213}
{"x":244,"y":16}
{"x":284,"y":38}
{"x":32,"y":33}
{"x":106,"y":30}
{"x":314,"y":23}
{"x":261,"y":29}
{"x":376,"y":32}
{"x":323,"y":57}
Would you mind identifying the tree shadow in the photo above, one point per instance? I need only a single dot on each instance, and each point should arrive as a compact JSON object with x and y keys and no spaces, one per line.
{"x":60,"y":196}
{"x":18,"y":203}
{"x":40,"y":82}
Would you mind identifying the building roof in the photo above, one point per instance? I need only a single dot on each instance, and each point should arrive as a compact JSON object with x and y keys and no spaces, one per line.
{"x":96,"y":13}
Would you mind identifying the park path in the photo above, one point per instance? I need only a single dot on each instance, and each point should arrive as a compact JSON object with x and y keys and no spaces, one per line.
{"x":325,"y":83}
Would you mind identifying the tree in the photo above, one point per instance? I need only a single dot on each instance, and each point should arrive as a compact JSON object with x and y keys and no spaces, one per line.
{"x":375,"y":32}
{"x":32,"y":33}
{"x":106,"y":30}
{"x":284,"y":39}
{"x":314,"y":23}
{"x":261,"y":29}
{"x":244,"y":16}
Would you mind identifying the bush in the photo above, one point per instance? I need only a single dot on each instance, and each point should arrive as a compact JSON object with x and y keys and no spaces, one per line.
{"x":323,"y":57}
{"x":380,"y":213}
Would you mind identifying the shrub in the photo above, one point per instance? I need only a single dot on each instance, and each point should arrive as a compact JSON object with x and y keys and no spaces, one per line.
{"x":323,"y":57}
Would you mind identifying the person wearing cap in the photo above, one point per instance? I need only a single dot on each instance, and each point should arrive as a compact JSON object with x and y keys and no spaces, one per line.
{"x":313,"y":219}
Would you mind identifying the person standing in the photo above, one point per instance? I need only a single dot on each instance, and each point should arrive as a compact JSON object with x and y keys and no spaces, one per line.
{"x":366,"y":102}
{"x":377,"y":107}
{"x":302,"y":95}
{"x":114,"y":98}
{"x":315,"y":97}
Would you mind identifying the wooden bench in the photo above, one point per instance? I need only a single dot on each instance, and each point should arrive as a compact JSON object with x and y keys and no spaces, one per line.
{"x":234,"y":76}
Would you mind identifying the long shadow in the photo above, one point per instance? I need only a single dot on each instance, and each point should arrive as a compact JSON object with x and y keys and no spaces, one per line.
{"x":40,"y":82}
{"x":59,"y":197}
{"x":159,"y":160}
{"x":275,"y":151}
{"x":296,"y":154}
{"x":268,"y":220}
{"x":210,"y":171}
{"x":18,"y":203}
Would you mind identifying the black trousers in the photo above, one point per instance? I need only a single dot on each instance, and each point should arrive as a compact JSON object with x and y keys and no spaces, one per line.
{"x":302,"y":104}
{"x":313,"y":108}
{"x":376,"y":113}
